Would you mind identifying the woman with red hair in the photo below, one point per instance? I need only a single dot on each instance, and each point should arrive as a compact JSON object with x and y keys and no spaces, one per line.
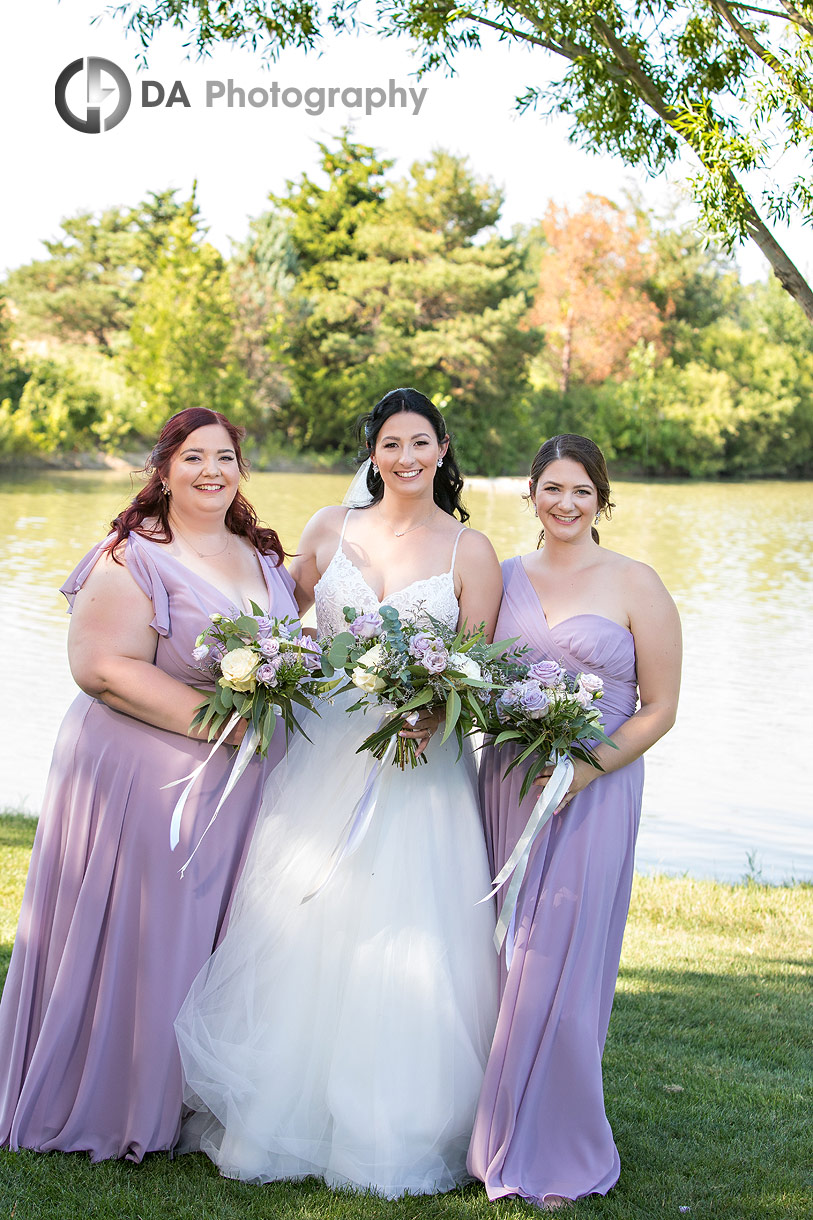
{"x":110,"y":936}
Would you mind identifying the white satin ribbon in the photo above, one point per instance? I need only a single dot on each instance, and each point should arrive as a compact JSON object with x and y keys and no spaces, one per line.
{"x":517,"y":862}
{"x":357,"y":825}
{"x":244,"y":755}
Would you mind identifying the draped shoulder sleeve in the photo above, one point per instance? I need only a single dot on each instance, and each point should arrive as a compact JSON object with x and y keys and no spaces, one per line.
{"x":143,"y":569}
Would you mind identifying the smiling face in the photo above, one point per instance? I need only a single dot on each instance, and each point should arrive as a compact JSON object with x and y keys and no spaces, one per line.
{"x":407,"y":453}
{"x":566,"y":500}
{"x":203,"y":475}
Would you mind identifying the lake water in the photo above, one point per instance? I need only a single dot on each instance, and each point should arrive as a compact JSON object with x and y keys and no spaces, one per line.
{"x":727,"y":791}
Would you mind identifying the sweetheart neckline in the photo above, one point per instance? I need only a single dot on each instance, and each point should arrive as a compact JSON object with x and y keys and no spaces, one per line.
{"x":571,"y":617}
{"x":423,"y":580}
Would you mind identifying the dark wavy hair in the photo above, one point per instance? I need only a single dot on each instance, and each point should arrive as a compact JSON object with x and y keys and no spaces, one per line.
{"x":150,"y":503}
{"x":587,"y":453}
{"x":448,"y":483}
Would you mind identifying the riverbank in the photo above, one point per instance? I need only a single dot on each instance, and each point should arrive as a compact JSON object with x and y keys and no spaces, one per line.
{"x":708,"y":1081}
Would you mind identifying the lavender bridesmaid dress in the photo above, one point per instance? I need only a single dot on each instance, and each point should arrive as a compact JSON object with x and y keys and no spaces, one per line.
{"x":110,"y":937}
{"x":541,"y":1128}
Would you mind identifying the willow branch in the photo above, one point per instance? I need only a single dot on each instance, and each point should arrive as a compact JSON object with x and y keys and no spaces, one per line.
{"x":796,"y":86}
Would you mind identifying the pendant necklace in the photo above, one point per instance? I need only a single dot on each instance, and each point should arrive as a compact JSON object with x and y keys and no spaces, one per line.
{"x":201,"y":554}
{"x":423,"y":521}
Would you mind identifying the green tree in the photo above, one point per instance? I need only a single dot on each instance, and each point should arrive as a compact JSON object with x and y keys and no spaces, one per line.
{"x":86,"y":290}
{"x":13,"y":374}
{"x":404,"y":294}
{"x":56,"y":413}
{"x":182,"y":351}
{"x":262,"y":272}
{"x":727,"y":83}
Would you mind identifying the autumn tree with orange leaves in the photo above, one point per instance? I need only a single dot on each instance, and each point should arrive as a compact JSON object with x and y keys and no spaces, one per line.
{"x":591,"y":302}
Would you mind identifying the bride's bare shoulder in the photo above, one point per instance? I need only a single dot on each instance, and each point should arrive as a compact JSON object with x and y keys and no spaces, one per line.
{"x":325,"y":523}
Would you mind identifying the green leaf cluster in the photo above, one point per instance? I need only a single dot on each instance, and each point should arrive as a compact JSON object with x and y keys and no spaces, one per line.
{"x":393,"y":289}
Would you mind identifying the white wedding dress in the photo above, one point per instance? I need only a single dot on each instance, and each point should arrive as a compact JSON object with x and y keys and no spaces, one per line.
{"x":346,"y":1037}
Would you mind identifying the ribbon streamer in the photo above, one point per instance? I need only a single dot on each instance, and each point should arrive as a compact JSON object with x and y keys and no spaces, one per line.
{"x":517,"y":862}
{"x":357,"y":825}
{"x":244,"y":755}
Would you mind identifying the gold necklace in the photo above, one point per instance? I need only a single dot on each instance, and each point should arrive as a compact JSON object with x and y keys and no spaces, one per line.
{"x":423,"y":521}
{"x":200,"y":554}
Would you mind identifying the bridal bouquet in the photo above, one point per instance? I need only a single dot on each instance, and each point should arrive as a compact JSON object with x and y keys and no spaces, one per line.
{"x":403,"y":667}
{"x":261,"y":666}
{"x":553,"y":718}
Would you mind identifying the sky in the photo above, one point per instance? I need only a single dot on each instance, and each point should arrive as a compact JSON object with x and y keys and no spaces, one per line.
{"x":238,"y":154}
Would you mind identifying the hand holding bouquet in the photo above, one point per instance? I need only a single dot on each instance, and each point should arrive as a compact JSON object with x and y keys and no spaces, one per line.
{"x":261,"y":667}
{"x":550,"y":715}
{"x":554,"y":718}
{"x":401,"y":668}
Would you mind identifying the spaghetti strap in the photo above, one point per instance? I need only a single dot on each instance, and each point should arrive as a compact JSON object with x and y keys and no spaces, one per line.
{"x":340,"y":547}
{"x":454,"y":552}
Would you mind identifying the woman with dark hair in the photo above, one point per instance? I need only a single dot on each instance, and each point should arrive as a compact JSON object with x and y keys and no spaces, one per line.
{"x":344,"y":1035}
{"x":110,"y":936}
{"x":541,"y":1131}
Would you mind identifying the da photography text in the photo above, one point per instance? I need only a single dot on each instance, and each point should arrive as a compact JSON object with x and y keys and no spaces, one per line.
{"x":94,"y":95}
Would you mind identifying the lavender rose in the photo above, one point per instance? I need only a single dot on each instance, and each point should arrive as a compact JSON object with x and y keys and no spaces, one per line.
{"x":592,"y":684}
{"x":311,"y":651}
{"x":267,"y":673}
{"x":367,"y":626}
{"x":546,"y":673}
{"x":436,"y":661}
{"x":534,"y":701}
{"x":423,"y":642}
{"x":201,"y":652}
{"x":269,"y":647}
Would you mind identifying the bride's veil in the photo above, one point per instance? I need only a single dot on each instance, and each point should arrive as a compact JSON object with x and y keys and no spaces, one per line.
{"x":358,"y":494}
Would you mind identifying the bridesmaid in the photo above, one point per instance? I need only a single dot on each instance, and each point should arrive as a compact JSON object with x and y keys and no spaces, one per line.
{"x":541,"y":1131}
{"x":110,"y":937}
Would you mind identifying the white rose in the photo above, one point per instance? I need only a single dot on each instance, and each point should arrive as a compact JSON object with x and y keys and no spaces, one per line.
{"x":239,"y":668}
{"x":464,"y":664}
{"x":363,"y":676}
{"x":591,"y":683}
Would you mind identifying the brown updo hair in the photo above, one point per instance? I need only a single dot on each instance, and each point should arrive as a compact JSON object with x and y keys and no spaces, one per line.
{"x":587,"y":453}
{"x":151,"y":504}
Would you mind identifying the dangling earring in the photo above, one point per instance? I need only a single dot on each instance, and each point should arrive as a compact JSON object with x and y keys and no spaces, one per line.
{"x":440,"y":463}
{"x":598,"y":517}
{"x":165,"y":489}
{"x":374,"y":467}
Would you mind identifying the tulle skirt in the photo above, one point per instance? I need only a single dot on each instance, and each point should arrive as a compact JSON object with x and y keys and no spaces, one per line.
{"x":346,"y":1036}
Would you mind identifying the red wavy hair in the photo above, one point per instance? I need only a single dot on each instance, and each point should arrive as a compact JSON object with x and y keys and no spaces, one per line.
{"x":151,"y":503}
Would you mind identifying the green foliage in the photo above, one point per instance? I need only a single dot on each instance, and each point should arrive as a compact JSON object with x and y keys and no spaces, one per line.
{"x":644,"y":81}
{"x":182,"y":351}
{"x":13,"y":374}
{"x":79,"y":402}
{"x":85,"y":291}
{"x":262,"y":273}
{"x":394,"y":291}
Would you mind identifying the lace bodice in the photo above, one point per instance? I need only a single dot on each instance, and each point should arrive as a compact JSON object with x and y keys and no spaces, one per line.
{"x":342,"y":584}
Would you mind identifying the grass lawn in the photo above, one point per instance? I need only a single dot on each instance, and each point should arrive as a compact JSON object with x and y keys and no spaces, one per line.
{"x":708,"y":1078}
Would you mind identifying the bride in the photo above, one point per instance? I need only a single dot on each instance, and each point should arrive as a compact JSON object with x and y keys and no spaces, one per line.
{"x":346,"y":1037}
